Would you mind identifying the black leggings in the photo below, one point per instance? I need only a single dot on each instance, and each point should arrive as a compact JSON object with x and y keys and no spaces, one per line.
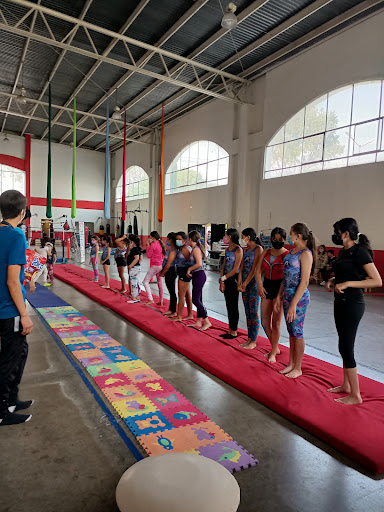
{"x":347,"y":318}
{"x":231,"y":295}
{"x":170,"y":281}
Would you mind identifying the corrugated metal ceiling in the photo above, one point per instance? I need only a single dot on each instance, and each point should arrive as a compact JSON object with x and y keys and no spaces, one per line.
{"x":156,"y":18}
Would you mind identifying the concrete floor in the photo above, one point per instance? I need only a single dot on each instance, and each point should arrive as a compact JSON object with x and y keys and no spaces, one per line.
{"x":70,"y":458}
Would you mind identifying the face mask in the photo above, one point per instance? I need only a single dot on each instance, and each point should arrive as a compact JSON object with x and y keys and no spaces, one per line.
{"x":93,"y":242}
{"x":150,"y":240}
{"x":277,"y":244}
{"x":336,"y":239}
{"x":168,"y":244}
{"x":243,"y":243}
{"x":226,"y":240}
{"x":179,"y":243}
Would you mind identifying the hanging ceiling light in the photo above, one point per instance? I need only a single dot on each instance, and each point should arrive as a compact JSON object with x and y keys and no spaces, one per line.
{"x":6,"y":138}
{"x":116,"y":114}
{"x":21,"y":97}
{"x":229,"y":20}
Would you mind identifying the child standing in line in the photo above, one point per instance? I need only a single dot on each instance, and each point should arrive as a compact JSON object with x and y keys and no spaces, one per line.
{"x":155,"y":252}
{"x":95,"y":257}
{"x":105,"y":258}
{"x":299,"y":264}
{"x":51,"y":260}
{"x":134,"y":267}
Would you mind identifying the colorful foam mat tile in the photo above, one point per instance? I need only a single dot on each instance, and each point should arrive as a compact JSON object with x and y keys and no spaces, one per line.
{"x":184,"y":415}
{"x":169,"y":400}
{"x":56,"y":310}
{"x":110,"y":381}
{"x":134,"y":406}
{"x":154,"y":388}
{"x":80,"y":346}
{"x":124,"y":392}
{"x":53,"y":317}
{"x":143,"y":375}
{"x":91,"y":330}
{"x":93,"y":361}
{"x":58,"y":324}
{"x":75,"y":340}
{"x":150,"y":423}
{"x":131,"y":366}
{"x":103,"y":342}
{"x":103,"y":369}
{"x":229,"y":454}
{"x":93,"y":352}
{"x":66,"y":332}
{"x":187,"y":439}
{"x":119,"y":354}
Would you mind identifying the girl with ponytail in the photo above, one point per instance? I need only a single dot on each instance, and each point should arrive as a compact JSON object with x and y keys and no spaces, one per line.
{"x":354,"y":270}
{"x":155,"y":252}
{"x":299,"y":265}
{"x":169,"y":272}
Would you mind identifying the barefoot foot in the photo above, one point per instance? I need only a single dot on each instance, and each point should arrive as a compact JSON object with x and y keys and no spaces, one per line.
{"x":286,"y":370}
{"x":104,"y":286}
{"x":272,"y":357}
{"x":197,"y":325}
{"x":294,"y":374}
{"x":340,"y":389}
{"x":176,"y":319}
{"x":206,"y":326}
{"x":168,"y":313}
{"x":150,"y":302}
{"x":189,"y":317}
{"x":349,"y":400}
{"x":251,"y":345}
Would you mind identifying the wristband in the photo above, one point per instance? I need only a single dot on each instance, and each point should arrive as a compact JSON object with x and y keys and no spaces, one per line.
{"x":223,"y":278}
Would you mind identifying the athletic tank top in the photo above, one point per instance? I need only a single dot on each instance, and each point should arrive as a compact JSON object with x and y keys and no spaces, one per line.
{"x":230,"y":260}
{"x":274,"y":268}
{"x":249,"y":258}
{"x":192,"y":261}
{"x":165,"y":260}
{"x":181,"y":260}
{"x":292,"y":270}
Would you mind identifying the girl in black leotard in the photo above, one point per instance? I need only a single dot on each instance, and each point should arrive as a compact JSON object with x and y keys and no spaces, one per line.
{"x":354,"y":270}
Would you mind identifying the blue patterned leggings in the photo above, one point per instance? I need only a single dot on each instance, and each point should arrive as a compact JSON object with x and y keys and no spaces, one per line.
{"x":251,"y":301}
{"x":295,"y":328}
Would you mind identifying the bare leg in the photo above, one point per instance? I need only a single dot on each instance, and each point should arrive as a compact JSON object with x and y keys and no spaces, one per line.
{"x":275,"y":336}
{"x":106,"y":274}
{"x":206,"y":324}
{"x":291,"y":363}
{"x":266,"y":310}
{"x":188,"y":296}
{"x":354,"y":396}
{"x":180,"y":306}
{"x":344,"y":388}
{"x":299,"y":354}
{"x":122,"y":278}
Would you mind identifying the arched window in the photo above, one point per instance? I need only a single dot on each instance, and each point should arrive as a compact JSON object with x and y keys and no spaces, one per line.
{"x":11,"y":179}
{"x":201,"y":164}
{"x":137,"y":184}
{"x":341,"y":128}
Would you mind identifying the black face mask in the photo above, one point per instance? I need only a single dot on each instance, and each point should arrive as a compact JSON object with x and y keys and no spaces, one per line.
{"x":336,"y":239}
{"x":277,"y":244}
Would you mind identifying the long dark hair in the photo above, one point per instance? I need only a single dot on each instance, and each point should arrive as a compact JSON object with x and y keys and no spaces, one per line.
{"x":195,"y":237}
{"x":183,"y":235}
{"x":107,"y":239}
{"x":279,"y":231}
{"x":350,"y":225}
{"x":156,"y":236}
{"x":172,"y":237}
{"x":136,"y":240}
{"x":300,"y":228}
{"x":252,"y":235}
{"x":234,"y":234}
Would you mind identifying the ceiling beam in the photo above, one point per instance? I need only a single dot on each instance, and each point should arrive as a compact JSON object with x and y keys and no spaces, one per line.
{"x":59,"y":60}
{"x":129,"y":40}
{"x":67,"y":125}
{"x":274,"y":59}
{"x":97,"y":64}
{"x":142,"y":61}
{"x":242,"y":16}
{"x":21,"y":65}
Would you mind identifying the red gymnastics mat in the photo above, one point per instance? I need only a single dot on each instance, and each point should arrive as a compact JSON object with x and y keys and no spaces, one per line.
{"x":356,"y":431}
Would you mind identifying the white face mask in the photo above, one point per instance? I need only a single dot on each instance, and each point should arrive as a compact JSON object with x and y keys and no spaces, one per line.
{"x":243,"y":243}
{"x":150,"y":240}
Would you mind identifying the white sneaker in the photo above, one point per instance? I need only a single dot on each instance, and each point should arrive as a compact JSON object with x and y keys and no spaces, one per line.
{"x":323,"y":283}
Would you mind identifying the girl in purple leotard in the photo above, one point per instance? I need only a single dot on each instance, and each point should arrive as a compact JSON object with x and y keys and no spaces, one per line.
{"x":299,"y":264}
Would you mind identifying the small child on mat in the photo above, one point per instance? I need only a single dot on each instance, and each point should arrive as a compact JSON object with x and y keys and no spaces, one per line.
{"x":105,"y":258}
{"x":134,"y":266}
{"x":95,"y":257}
{"x":51,"y":260}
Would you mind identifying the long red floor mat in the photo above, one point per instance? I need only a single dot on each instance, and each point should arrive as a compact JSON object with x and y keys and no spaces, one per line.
{"x":357,"y":431}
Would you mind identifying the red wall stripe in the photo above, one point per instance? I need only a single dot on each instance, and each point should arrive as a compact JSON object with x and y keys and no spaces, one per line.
{"x":66,"y":203}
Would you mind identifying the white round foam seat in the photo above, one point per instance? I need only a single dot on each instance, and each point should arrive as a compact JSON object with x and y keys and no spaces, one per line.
{"x":177,"y":482}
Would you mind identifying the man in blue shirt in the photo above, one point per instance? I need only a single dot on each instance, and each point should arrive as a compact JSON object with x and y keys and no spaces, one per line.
{"x":15,"y":323}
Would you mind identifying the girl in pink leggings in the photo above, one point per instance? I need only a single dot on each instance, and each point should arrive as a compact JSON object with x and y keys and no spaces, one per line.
{"x":156,"y":253}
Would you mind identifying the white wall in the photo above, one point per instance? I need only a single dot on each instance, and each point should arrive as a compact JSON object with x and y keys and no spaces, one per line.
{"x":90,"y":169}
{"x":322,"y":198}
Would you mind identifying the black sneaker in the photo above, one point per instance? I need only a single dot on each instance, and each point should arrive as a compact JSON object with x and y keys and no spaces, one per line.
{"x":14,"y":419}
{"x":18,"y":405}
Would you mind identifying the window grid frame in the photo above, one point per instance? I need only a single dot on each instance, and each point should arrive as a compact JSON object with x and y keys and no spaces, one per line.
{"x":14,"y":171}
{"x":199,"y":185}
{"x":351,"y":126}
{"x":119,"y":186}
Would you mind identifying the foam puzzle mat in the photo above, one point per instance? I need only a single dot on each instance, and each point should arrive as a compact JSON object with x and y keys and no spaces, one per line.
{"x":161,"y":418}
